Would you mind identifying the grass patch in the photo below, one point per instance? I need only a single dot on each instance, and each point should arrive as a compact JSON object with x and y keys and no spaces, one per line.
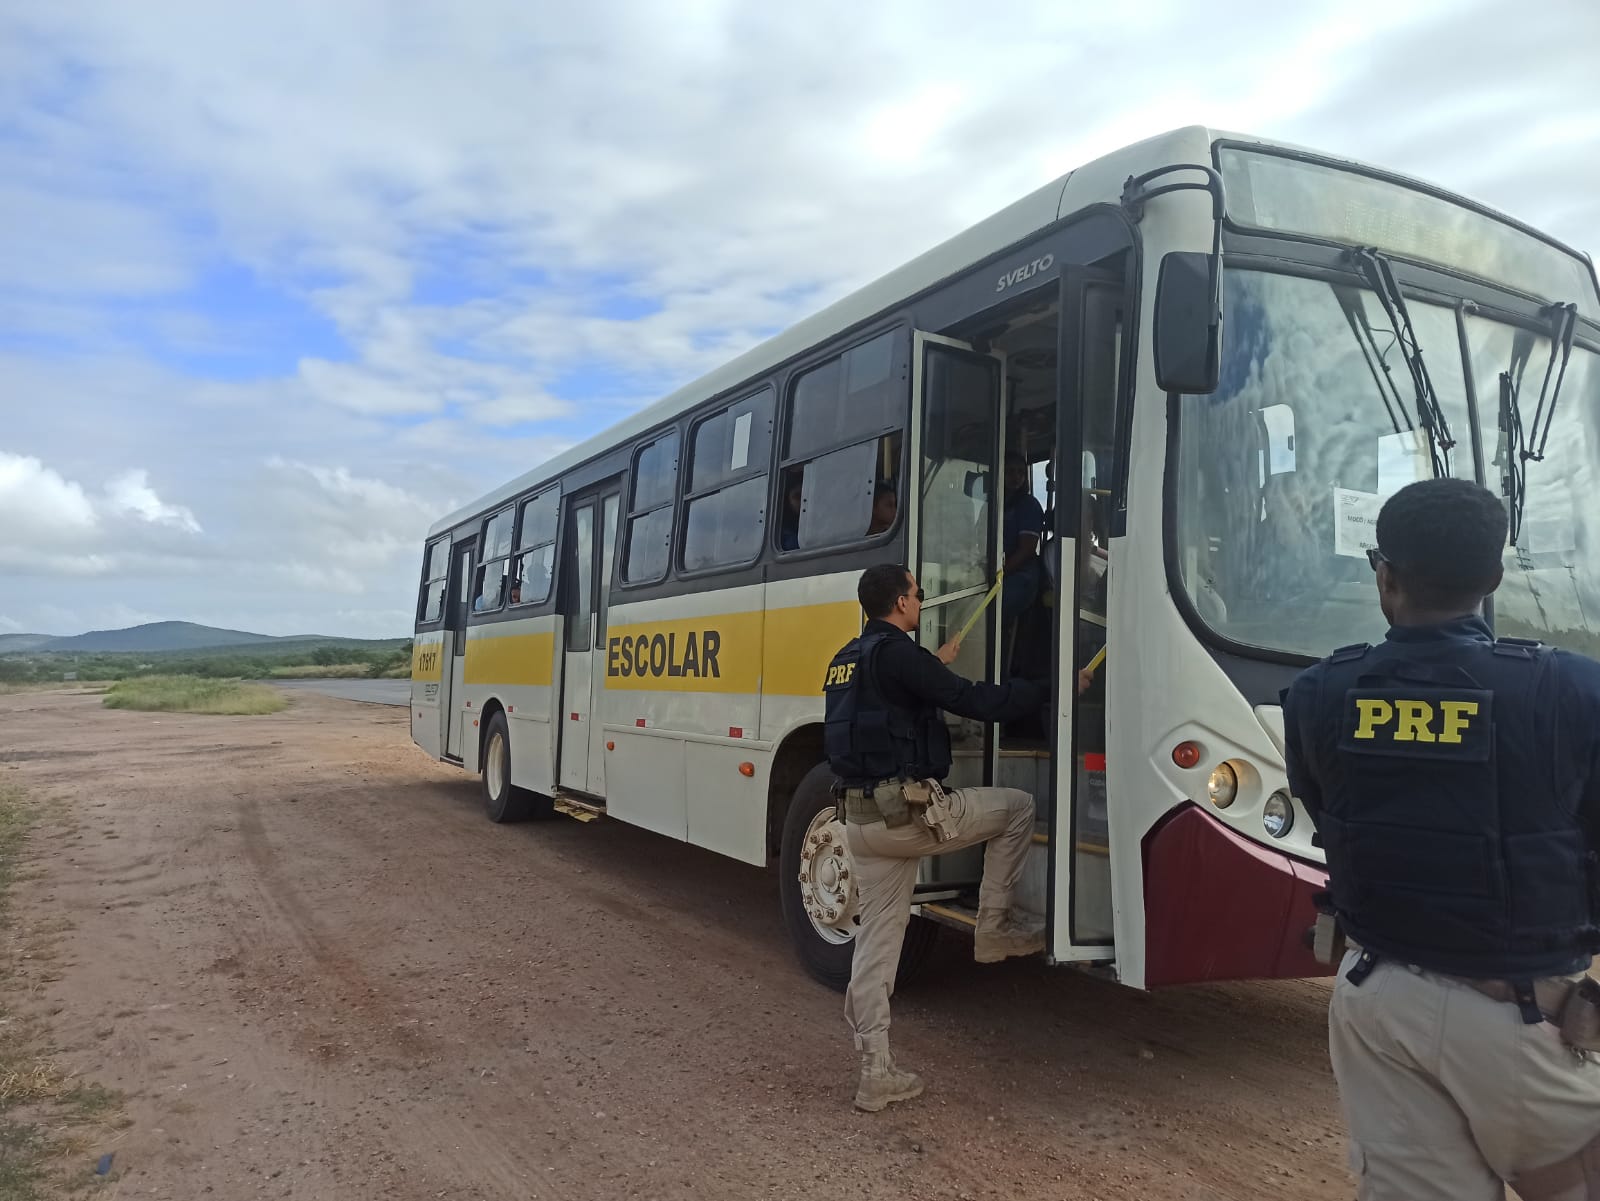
{"x":192,"y":694}
{"x":49,"y":1119}
{"x":323,"y":671}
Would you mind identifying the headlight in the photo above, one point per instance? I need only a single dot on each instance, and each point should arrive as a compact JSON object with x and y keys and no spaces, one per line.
{"x":1277,"y":815}
{"x":1223,"y":785}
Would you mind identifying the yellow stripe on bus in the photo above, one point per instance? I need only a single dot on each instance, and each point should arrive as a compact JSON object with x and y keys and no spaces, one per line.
{"x":510,"y":659}
{"x":799,"y":643}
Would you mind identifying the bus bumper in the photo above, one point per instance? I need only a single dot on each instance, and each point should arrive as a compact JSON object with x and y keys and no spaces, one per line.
{"x":1218,"y":906}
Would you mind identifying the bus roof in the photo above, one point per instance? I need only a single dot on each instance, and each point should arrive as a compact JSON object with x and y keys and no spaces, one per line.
{"x":1096,"y":182}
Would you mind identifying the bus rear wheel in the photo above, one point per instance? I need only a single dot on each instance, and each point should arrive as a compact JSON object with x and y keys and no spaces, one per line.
{"x":503,"y":801}
{"x":818,"y":891}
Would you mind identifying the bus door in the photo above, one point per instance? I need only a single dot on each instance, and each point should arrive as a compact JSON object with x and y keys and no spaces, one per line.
{"x":956,"y":455}
{"x":452,"y":671}
{"x":586,"y":568}
{"x":1083,"y":854}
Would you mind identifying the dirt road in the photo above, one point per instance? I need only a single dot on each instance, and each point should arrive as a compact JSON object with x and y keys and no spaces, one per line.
{"x":319,"y":972}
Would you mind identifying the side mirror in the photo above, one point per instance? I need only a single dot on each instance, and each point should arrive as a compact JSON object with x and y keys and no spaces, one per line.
{"x":976,"y":485}
{"x":1188,"y":325}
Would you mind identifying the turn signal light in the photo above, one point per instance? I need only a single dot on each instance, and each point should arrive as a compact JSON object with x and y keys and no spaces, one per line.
{"x":747,"y":769}
{"x":611,"y":746}
{"x":1186,"y":755}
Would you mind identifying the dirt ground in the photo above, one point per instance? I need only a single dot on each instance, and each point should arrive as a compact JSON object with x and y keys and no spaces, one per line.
{"x":318,"y":971}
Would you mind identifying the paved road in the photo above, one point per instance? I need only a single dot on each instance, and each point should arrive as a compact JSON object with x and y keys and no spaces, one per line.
{"x":374,"y":692}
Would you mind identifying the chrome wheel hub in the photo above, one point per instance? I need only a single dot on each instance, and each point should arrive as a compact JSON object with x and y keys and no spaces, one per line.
{"x":827,"y":880}
{"x":494,"y":765}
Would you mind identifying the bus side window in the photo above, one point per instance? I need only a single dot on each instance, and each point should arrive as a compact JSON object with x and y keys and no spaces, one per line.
{"x":655,"y":483}
{"x":536,"y":549}
{"x":842,"y":446}
{"x":725,"y":501}
{"x":494,"y":564}
{"x":431,"y":602}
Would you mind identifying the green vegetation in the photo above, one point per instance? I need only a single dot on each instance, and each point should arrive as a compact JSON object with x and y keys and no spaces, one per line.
{"x":276,"y":660}
{"x":191,"y":694}
{"x":44,"y":1112}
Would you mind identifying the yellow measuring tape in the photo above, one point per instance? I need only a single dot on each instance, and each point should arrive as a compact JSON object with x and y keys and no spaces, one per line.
{"x":978,"y":612}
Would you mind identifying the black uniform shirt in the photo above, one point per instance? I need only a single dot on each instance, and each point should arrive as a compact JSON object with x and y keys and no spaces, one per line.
{"x":912,"y":676}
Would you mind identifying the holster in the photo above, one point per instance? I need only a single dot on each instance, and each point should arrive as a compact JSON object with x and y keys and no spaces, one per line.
{"x":1579,"y":1016}
{"x":928,"y":801}
{"x":1572,"y":1006}
{"x":1327,"y":940}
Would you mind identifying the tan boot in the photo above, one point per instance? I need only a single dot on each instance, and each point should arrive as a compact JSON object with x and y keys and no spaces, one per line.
{"x":882,"y":1084}
{"x":1002,"y":934}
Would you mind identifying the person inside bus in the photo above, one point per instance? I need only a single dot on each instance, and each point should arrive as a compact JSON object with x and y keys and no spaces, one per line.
{"x":789,"y":528}
{"x":1023,"y":525}
{"x":885,"y":505}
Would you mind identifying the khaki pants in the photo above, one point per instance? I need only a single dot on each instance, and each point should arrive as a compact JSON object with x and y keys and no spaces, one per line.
{"x":885,"y":863}
{"x":1448,"y":1093}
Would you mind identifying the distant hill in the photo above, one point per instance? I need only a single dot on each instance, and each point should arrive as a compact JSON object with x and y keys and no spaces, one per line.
{"x":162,"y":636}
{"x":10,"y":643}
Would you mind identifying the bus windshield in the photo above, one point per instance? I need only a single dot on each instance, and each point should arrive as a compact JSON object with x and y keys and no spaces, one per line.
{"x":1282,"y":470}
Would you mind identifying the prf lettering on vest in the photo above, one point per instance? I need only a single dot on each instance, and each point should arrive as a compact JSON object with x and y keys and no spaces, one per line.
{"x":662,"y":655}
{"x":839,"y":673}
{"x":1400,"y":720}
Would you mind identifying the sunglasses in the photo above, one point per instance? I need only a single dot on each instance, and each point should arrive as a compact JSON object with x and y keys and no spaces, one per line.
{"x":1376,"y":556}
{"x":919,"y":594}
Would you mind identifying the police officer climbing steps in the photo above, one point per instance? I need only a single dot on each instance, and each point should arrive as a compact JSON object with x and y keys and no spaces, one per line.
{"x":890,"y":750}
{"x":1454,"y":780}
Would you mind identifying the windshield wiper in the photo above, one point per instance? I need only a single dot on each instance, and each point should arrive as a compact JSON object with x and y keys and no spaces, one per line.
{"x":1380,"y":275}
{"x":1525,"y":445}
{"x":1355,"y":313}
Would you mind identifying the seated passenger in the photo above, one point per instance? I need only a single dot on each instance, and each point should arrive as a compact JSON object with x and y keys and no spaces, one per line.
{"x":885,"y":505}
{"x":789,"y":530}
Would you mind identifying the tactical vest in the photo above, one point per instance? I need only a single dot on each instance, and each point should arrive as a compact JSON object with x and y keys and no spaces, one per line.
{"x":866,"y":738}
{"x":1449,"y":843}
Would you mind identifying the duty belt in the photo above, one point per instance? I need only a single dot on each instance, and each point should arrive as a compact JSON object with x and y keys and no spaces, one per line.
{"x":1570,"y":1003}
{"x":860,"y":804}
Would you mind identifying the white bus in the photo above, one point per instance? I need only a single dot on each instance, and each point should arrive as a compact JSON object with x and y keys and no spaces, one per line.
{"x":1216,"y":355}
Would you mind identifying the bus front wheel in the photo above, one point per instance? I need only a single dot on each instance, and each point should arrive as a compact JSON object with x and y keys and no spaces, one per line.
{"x":502,"y":800}
{"x":818,"y":890}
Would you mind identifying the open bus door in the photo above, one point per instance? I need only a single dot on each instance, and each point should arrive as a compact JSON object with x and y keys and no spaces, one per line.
{"x":453,"y":669}
{"x":1085,"y":853}
{"x":956,"y":454}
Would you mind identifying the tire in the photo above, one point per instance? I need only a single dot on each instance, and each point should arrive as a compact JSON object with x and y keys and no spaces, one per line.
{"x":825,"y":947}
{"x":502,"y":801}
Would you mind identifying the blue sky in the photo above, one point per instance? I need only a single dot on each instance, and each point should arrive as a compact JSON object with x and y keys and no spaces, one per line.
{"x":281,"y":284}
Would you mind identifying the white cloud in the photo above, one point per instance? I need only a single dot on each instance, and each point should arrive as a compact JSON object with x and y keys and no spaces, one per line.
{"x":131,"y":493}
{"x":38,"y":506}
{"x":48,"y":521}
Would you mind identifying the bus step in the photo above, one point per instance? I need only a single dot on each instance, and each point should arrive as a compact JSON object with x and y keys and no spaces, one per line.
{"x":578,"y":808}
{"x":953,"y":914}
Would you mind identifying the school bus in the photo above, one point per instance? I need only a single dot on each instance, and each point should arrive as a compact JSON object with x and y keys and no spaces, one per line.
{"x":1214,"y":356}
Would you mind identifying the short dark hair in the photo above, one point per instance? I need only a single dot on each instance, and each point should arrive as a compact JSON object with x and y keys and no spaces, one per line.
{"x":1443,"y":539}
{"x":880,"y":586}
{"x":886,"y":488}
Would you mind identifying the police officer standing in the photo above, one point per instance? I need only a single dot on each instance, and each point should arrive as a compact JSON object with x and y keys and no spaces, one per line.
{"x":1455,"y":784}
{"x":885,"y":740}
